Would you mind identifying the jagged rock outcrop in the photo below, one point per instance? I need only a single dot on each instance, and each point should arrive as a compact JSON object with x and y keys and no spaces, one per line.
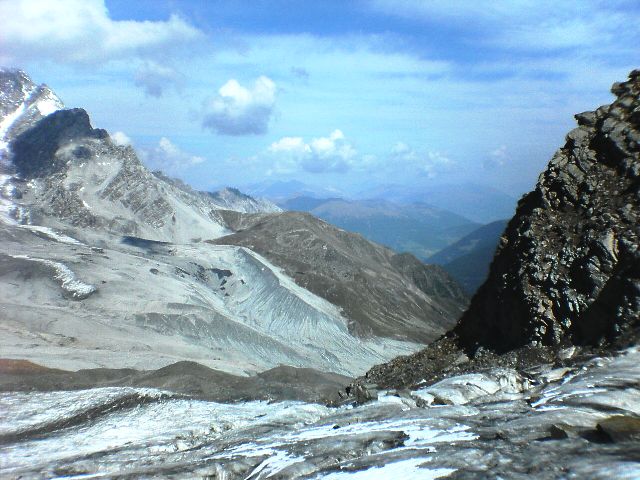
{"x":567,"y":270}
{"x":568,"y":266}
{"x":34,"y":150}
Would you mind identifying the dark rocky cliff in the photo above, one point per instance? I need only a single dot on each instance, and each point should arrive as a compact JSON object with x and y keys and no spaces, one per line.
{"x":34,"y":151}
{"x":568,"y":266}
{"x":567,"y":270}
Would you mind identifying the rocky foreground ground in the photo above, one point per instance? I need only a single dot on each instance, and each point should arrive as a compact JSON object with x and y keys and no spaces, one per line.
{"x":570,"y":422}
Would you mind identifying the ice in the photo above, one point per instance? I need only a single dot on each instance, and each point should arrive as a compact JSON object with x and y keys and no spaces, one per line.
{"x":160,"y":435}
{"x":463,"y":389}
{"x":412,"y":468}
{"x":274,"y":464}
{"x":53,"y":235}
{"x":419,"y":435}
{"x":66,"y":277}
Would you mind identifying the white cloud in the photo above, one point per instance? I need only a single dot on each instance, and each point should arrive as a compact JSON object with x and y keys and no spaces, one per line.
{"x":82,"y":32}
{"x":430,"y":163}
{"x":154,"y":78}
{"x":324,"y":154}
{"x":237,"y":110}
{"x":120,"y":138}
{"x":168,"y":157}
{"x":497,"y":158}
{"x":532,"y":24}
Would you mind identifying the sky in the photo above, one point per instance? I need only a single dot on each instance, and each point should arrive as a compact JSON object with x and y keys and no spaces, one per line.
{"x":341,"y":94}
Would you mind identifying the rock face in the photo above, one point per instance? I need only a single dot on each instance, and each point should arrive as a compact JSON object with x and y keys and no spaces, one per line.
{"x":34,"y":150}
{"x":567,"y":270}
{"x":568,"y":266}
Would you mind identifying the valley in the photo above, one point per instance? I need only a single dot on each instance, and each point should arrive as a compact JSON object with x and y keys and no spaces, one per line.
{"x":149,"y":329}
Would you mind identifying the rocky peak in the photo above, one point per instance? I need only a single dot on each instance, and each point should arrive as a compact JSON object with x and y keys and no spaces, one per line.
{"x":34,"y":151}
{"x":568,"y":266}
{"x":15,"y":86}
{"x":22,"y":104}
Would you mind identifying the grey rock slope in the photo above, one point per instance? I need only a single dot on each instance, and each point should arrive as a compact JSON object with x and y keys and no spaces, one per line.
{"x":415,"y":227}
{"x":188,"y":378}
{"x":468,"y":259}
{"x":382,"y":293}
{"x":103,"y":264}
{"x":567,"y":270}
{"x":227,"y":198}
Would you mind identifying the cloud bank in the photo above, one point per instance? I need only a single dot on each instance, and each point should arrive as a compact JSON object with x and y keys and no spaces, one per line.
{"x":154,"y":78}
{"x":121,"y":138}
{"x":321,"y":155}
{"x":430,"y":163}
{"x":168,"y":157}
{"x":237,"y":110}
{"x":82,"y":32}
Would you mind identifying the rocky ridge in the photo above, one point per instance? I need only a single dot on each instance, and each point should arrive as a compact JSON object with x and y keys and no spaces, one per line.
{"x":568,"y":266}
{"x":382,"y":293}
{"x":567,"y":270}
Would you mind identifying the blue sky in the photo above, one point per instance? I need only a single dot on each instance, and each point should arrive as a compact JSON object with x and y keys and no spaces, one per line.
{"x":335,"y":93}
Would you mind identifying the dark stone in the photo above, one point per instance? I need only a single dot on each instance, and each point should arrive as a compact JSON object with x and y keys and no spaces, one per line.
{"x":620,"y":428}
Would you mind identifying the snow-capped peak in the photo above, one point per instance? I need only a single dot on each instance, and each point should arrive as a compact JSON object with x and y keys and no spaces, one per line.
{"x":22,"y":103}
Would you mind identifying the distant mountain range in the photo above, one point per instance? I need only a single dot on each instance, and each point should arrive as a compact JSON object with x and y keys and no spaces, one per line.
{"x":282,"y":190}
{"x":478,"y":203}
{"x":468,"y":259}
{"x":416,"y":228}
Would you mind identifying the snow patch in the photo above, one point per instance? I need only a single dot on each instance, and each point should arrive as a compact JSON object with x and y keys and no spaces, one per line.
{"x":66,"y":277}
{"x":7,"y":207}
{"x":410,"y":468}
{"x":9,"y":119}
{"x":53,"y":235}
{"x":48,"y":105}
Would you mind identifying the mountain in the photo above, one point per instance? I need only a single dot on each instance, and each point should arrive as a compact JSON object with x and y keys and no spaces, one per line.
{"x":567,"y":270}
{"x":141,"y":358}
{"x":281,"y":190}
{"x":105,"y":264}
{"x":416,"y":228}
{"x":379,"y":291}
{"x":468,"y":259}
{"x":479,"y":203}
{"x":21,"y":104}
{"x":226,"y":198}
